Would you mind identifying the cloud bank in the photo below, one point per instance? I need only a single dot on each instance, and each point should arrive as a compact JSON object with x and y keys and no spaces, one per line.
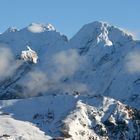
{"x":133,"y":62}
{"x":7,"y":62}
{"x":64,"y":65}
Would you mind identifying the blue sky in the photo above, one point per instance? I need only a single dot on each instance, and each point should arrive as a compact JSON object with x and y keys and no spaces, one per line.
{"x":68,"y":16}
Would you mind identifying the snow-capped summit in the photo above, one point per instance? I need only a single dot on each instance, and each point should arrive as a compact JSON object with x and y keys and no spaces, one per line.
{"x":100,"y":34}
{"x":37,"y":36}
{"x":50,"y":27}
{"x":38,"y":28}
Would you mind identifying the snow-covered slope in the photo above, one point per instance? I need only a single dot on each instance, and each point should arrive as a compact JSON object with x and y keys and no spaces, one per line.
{"x":69,"y":117}
{"x":11,"y":129}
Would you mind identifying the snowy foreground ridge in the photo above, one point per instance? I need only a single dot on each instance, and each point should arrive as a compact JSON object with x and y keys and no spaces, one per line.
{"x":68,"y":117}
{"x":85,"y":88}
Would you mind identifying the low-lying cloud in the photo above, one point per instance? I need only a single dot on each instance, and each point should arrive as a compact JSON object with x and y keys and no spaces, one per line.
{"x":35,"y":28}
{"x":35,"y":82}
{"x":133,"y":62}
{"x":59,"y":77}
{"x":64,"y":65}
{"x":7,"y":62}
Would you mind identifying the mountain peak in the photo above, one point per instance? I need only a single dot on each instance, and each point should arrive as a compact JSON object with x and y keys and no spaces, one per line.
{"x":101,"y":26}
{"x":38,"y":27}
{"x":100,"y":33}
{"x":11,"y":29}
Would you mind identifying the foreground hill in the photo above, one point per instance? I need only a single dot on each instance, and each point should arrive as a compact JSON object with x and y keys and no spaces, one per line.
{"x":69,"y":117}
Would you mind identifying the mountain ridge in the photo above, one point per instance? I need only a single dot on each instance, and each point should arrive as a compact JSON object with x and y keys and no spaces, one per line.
{"x":82,"y":117}
{"x":94,"y":51}
{"x":83,"y":88}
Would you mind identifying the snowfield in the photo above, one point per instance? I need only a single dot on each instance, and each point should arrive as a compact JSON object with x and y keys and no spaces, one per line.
{"x":11,"y":129}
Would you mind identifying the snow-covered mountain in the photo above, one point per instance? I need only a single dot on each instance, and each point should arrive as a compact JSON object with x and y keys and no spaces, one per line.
{"x":43,"y":39}
{"x":112,"y":58}
{"x":99,"y":59}
{"x":100,"y":63}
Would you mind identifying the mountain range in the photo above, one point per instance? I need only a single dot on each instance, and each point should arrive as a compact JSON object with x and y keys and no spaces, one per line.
{"x":83,"y":88}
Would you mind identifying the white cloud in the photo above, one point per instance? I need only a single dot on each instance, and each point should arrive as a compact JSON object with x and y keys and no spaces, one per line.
{"x":133,"y":62}
{"x":66,"y":63}
{"x":36,"y":28}
{"x":7,"y":62}
{"x":35,"y":82}
{"x":41,"y":80}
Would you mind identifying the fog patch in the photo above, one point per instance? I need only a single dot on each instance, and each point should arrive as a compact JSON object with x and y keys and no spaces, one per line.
{"x":39,"y":28}
{"x":8,"y":64}
{"x":133,"y":62}
{"x":35,"y":28}
{"x":35,"y":82}
{"x":66,"y":63}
